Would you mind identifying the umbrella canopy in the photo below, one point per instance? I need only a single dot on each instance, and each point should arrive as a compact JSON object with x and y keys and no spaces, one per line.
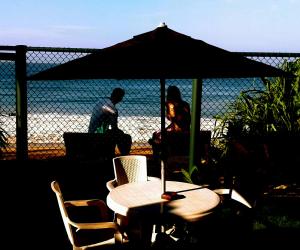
{"x":161,"y":53}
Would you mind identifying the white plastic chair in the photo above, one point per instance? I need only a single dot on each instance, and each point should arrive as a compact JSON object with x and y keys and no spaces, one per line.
{"x":233,"y":194}
{"x":129,"y":168}
{"x":110,"y":234}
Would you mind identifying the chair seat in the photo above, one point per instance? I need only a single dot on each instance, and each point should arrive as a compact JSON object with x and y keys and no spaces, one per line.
{"x":86,"y":235}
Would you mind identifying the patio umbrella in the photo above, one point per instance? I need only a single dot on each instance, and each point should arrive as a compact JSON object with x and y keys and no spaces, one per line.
{"x":159,"y":54}
{"x":162,"y":54}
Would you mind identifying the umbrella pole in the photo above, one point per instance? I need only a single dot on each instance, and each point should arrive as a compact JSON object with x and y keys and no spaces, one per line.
{"x":162,"y":129}
{"x":195,"y":122}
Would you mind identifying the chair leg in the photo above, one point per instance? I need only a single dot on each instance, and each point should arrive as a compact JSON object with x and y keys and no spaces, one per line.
{"x":156,"y":229}
{"x":119,"y":238}
{"x":154,"y":233}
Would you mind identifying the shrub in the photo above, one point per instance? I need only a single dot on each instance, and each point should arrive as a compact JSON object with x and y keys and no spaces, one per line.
{"x":261,"y":113}
{"x":262,"y":129}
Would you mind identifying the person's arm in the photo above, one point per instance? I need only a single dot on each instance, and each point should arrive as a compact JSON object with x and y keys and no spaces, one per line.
{"x":170,"y":111}
{"x":112,"y":115}
{"x":95,"y":119}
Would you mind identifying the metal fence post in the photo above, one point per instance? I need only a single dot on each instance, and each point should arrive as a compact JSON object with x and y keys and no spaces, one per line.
{"x":21,"y":104}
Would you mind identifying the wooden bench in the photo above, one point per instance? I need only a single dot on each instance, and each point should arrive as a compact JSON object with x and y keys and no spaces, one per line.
{"x":88,"y":146}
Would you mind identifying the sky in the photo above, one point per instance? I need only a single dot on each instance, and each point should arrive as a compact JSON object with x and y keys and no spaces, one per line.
{"x":234,"y":25}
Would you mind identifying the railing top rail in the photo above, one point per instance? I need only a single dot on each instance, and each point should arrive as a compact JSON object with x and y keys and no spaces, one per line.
{"x":269,"y":54}
{"x":7,"y":48}
{"x":91,"y":50}
{"x":56,"y":49}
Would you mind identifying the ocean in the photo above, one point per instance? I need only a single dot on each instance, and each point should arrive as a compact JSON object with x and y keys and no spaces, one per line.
{"x":142,"y":96}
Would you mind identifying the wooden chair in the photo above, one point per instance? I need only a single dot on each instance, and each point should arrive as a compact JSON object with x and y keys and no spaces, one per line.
{"x":109,"y":231}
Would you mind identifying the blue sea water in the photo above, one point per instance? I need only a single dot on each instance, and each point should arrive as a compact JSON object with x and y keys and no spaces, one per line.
{"x":142,"y":96}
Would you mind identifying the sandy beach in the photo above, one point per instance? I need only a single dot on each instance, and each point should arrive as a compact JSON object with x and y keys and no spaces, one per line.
{"x":45,"y":132}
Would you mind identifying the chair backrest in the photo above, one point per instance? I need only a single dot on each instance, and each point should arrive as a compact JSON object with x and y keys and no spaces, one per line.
{"x":89,"y":146}
{"x":63,"y":211}
{"x":130,"y":168}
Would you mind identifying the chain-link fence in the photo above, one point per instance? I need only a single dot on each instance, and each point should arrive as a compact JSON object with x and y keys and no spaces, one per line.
{"x":55,"y":107}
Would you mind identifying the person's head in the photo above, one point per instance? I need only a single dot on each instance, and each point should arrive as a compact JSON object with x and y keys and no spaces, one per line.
{"x":117,"y":95}
{"x":173,"y":94}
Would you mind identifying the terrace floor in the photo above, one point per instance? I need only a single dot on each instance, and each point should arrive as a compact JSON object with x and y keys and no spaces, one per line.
{"x":31,"y":216}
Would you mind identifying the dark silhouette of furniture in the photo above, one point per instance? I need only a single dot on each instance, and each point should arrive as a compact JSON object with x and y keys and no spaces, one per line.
{"x":89,"y":146}
{"x":177,"y":149}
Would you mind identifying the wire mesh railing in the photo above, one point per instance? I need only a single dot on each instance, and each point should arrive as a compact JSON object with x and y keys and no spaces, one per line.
{"x":55,"y":107}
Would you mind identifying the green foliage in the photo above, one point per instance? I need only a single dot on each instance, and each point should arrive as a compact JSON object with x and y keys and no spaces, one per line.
{"x":3,"y":140}
{"x":187,"y":175}
{"x":273,"y":110}
{"x":259,"y":113}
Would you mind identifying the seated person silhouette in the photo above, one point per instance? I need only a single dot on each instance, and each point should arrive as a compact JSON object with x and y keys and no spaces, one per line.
{"x":104,"y":119}
{"x":178,"y":113}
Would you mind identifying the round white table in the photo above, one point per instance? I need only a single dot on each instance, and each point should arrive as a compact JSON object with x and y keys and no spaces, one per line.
{"x":193,"y":202}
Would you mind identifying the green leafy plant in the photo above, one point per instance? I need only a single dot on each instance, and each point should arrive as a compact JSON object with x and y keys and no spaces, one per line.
{"x":3,"y":141}
{"x":187,"y":174}
{"x":260,"y":113}
{"x":3,"y":138}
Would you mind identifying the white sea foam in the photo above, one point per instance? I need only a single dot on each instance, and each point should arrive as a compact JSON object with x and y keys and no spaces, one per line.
{"x":49,"y":128}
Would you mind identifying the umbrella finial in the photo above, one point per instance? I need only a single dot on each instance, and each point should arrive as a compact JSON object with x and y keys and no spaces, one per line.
{"x":162,"y":24}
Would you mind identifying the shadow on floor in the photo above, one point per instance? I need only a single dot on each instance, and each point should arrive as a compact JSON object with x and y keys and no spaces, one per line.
{"x":31,"y":216}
